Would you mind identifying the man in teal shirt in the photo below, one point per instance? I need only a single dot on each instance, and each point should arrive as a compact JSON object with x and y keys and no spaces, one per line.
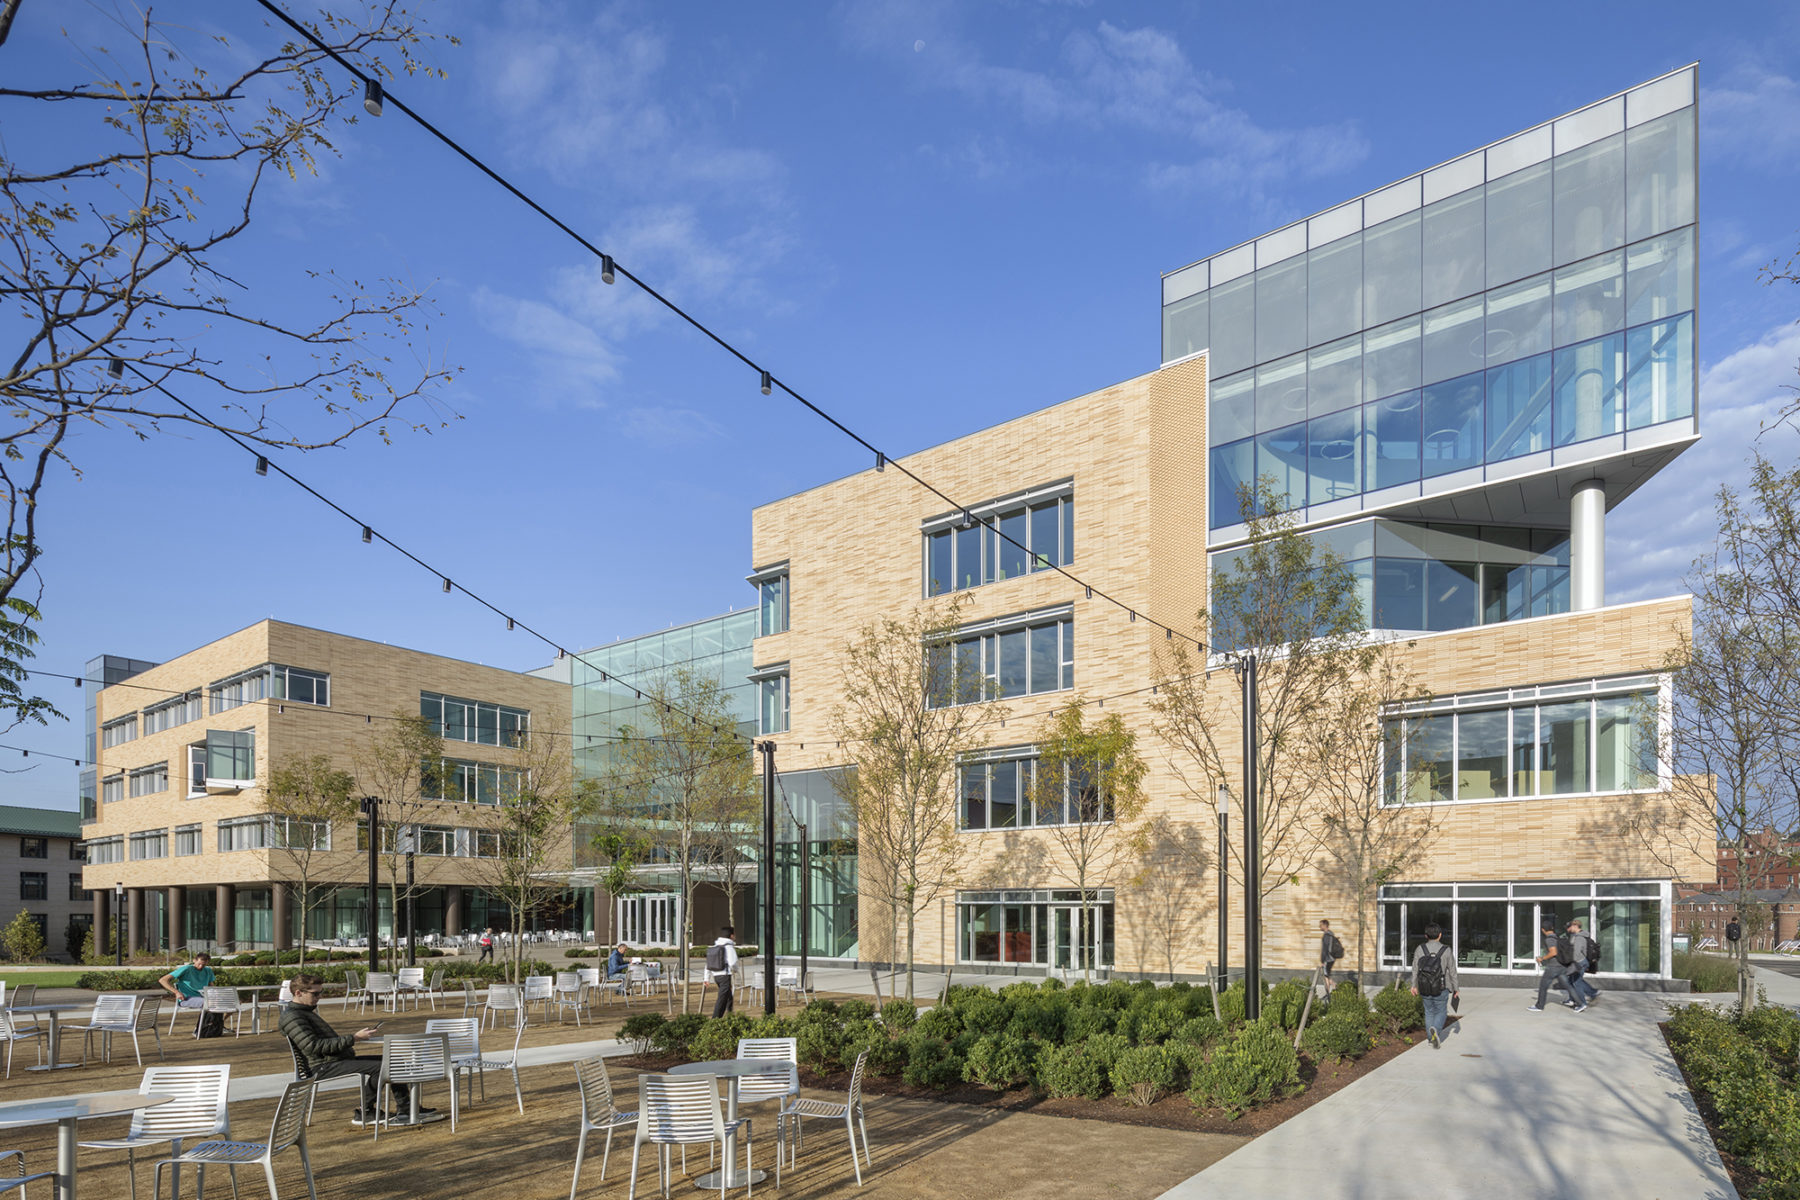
{"x":185,"y":983}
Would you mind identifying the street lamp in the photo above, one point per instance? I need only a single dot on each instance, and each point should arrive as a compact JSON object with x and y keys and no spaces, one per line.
{"x":1246,"y":672}
{"x":371,"y":809}
{"x":118,"y":924}
{"x":1224,"y":804}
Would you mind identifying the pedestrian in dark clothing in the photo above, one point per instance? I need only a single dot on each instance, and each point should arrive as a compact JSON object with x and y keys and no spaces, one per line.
{"x":329,"y":1054}
{"x":1434,"y":981}
{"x":1555,"y":973}
{"x":1329,"y":950}
{"x":1583,"y":991}
{"x":721,"y":961}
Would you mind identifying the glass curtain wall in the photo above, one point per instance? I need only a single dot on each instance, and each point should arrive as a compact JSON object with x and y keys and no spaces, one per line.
{"x":1037,"y":928}
{"x":1495,"y":926}
{"x":827,"y":926}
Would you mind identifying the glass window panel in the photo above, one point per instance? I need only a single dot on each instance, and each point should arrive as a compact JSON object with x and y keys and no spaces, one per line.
{"x":1483,"y":746}
{"x":1455,"y":340}
{"x":1549,"y":591}
{"x":1013,"y":672}
{"x":1281,"y":309}
{"x":1392,"y":931}
{"x":1046,"y":535}
{"x":1391,"y":269}
{"x":1393,"y":760}
{"x":1399,"y":594}
{"x":1334,"y":276}
{"x":1630,"y":935}
{"x":1068,"y":530}
{"x":1481,"y":934}
{"x":1429,"y":766}
{"x":1233,"y":326}
{"x":1334,"y":376}
{"x":1449,"y":595}
{"x":1625,"y":742}
{"x":1068,"y":653}
{"x":1659,"y":175}
{"x":1185,"y":327}
{"x":1659,"y":277}
{"x":1393,"y":437}
{"x":774,"y":605}
{"x":1232,"y":467}
{"x":1004,"y":796}
{"x":1452,"y":421}
{"x":1013,"y":559}
{"x":1391,"y":359}
{"x":1589,"y":186}
{"x":1281,"y":393}
{"x":456,"y":723}
{"x":1455,"y":238}
{"x":974,"y":790}
{"x":1281,"y":457}
{"x":1518,"y":224}
{"x":1518,"y":408}
{"x":1590,"y":391}
{"x":1659,"y":372}
{"x":967,"y":542}
{"x":1231,"y":409}
{"x":982,"y":924}
{"x":1563,"y":731}
{"x":1332,"y":455}
{"x":487,"y":724}
{"x":1518,"y":320}
{"x":1590,"y":299}
{"x":1046,"y":659}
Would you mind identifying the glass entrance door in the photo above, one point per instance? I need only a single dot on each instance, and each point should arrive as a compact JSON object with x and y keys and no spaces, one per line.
{"x":1077,"y":945}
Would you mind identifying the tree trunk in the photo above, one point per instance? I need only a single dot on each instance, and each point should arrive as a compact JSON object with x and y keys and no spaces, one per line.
{"x":1746,"y":981}
{"x":909,"y":954}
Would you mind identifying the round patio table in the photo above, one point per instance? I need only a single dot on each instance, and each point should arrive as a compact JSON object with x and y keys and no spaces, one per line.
{"x":731,"y":1070}
{"x":54,"y":1012}
{"x":65,"y":1111}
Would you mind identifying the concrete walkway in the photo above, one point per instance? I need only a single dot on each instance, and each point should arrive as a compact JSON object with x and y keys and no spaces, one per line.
{"x":1532,"y":1106}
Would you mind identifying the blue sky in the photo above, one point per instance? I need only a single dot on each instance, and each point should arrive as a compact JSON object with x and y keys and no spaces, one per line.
{"x":926,"y":217}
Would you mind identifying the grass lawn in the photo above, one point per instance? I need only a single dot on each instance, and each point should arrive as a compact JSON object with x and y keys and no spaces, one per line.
{"x":44,"y":977}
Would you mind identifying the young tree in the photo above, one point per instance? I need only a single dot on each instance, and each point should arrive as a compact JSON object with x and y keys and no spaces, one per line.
{"x":909,"y":715}
{"x":677,"y":775}
{"x":23,"y":940}
{"x":126,"y":194}
{"x":1367,"y":835}
{"x":305,"y":798}
{"x":401,"y":764}
{"x":1088,"y":788}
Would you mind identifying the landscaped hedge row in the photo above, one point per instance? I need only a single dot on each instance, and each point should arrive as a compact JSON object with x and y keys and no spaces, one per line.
{"x":651,"y":952}
{"x":1745,"y":1066}
{"x":333,"y":973}
{"x":1131,"y":1040}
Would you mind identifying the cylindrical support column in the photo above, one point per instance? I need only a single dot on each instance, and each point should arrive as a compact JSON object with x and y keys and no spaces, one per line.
{"x":176,"y":904}
{"x":225,"y":916}
{"x":1587,"y":546}
{"x":453,"y":917}
{"x":134,"y":919}
{"x":282,"y":916}
{"x":102,"y":921}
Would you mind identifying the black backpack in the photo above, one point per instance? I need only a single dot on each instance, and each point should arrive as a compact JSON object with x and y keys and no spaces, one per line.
{"x":1593,"y":954}
{"x":1431,"y":974}
{"x":1565,"y":950}
{"x":1337,"y":948}
{"x":715,"y":959}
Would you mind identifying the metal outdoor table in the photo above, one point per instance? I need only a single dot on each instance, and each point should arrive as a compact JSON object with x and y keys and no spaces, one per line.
{"x":255,"y":1007}
{"x":54,"y":1011}
{"x":65,"y":1111}
{"x":730,"y":1070}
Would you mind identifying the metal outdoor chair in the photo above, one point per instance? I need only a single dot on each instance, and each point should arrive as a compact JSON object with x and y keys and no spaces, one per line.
{"x":149,"y":1012}
{"x":378,"y":985}
{"x":224,"y":1002}
{"x":292,"y":1115}
{"x":411,"y":983}
{"x":303,"y":1073}
{"x":464,"y":1037}
{"x":683,"y":1110}
{"x":590,"y":983}
{"x":434,"y":990}
{"x":510,"y":1064}
{"x":503,"y":998}
{"x":538,"y":990}
{"x":599,"y":1113}
{"x":849,"y":1111}
{"x":470,"y":999}
{"x":198,"y":1111}
{"x":566,"y":994}
{"x":414,"y":1060}
{"x":780,"y":1087}
{"x":12,"y":1035}
{"x":112,"y":1014}
{"x":10,"y":1179}
{"x":354,"y":988}
{"x":787,"y":979}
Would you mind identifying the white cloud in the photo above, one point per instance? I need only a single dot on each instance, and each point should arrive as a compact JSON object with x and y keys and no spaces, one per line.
{"x":667,"y":427}
{"x":570,"y":359}
{"x":1752,"y":116}
{"x":1655,"y":536}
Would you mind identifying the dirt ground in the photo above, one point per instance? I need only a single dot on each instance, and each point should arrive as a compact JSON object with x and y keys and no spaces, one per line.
{"x":923,"y":1149}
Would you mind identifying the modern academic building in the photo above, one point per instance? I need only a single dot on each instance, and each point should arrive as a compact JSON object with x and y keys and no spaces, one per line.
{"x":1452,"y":379}
{"x":173,"y":810}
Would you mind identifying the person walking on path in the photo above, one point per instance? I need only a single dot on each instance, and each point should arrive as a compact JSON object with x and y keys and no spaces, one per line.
{"x":1330,"y":950}
{"x":1434,"y":981}
{"x":1555,"y":974}
{"x":487,"y":945}
{"x":1581,"y":990}
{"x":330,"y":1054}
{"x":721,"y":960}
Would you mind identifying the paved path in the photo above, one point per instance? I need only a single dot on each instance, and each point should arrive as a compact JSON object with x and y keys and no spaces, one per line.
{"x":1532,"y":1106}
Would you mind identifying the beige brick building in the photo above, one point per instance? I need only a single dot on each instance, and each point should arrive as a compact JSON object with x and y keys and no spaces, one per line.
{"x":183,"y":750}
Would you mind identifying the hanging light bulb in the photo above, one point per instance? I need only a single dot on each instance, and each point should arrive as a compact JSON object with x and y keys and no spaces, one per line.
{"x":768,"y":383}
{"x":372,"y":97}
{"x":368,"y":535}
{"x":606,"y":268}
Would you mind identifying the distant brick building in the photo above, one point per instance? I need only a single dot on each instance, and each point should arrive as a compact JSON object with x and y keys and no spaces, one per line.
{"x":1769,"y":859}
{"x":1710,"y":912}
{"x":44,"y":849}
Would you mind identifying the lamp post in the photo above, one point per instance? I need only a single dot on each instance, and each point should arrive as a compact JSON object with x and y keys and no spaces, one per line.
{"x":119,"y":924}
{"x":767,"y":750}
{"x":371,"y":809}
{"x":1246,"y":671}
{"x":1224,"y":805}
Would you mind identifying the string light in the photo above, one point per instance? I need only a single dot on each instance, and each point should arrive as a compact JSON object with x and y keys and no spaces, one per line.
{"x":262,"y":465}
{"x":606,"y":268}
{"x":768,"y":384}
{"x":368,"y":535}
{"x":372,"y":97}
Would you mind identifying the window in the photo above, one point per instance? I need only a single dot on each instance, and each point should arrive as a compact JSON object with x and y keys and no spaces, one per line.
{"x":77,"y":851}
{"x":465,"y":782}
{"x":76,"y":891}
{"x":34,"y":885}
{"x":246,"y":688}
{"x":112,"y":788}
{"x":106,"y":850}
{"x":771,"y":585}
{"x":436,"y":839}
{"x":149,"y":843}
{"x":997,"y":794}
{"x":243,"y":833}
{"x":170,"y":713}
{"x":197,"y":769}
{"x":299,"y":833}
{"x":230,"y":758}
{"x":1001,"y":539}
{"x":1042,"y":927}
{"x":34,"y":847}
{"x":300,"y":687}
{"x":772,"y":698}
{"x":117,"y":733}
{"x":457,"y":720}
{"x":187,"y":840}
{"x":146,"y":780}
{"x":485,"y":843}
{"x":1011,"y":656}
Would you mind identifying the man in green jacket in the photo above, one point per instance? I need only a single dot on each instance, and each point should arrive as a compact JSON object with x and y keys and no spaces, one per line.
{"x":329,"y":1054}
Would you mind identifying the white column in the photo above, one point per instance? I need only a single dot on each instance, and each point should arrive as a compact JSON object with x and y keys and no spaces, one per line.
{"x":1587,"y":546}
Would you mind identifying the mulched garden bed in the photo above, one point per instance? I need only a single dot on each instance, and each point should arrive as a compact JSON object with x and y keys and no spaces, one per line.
{"x":1743,"y":1178}
{"x":1171,"y":1112}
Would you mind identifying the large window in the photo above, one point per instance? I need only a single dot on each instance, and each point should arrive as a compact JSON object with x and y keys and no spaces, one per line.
{"x":299,"y":833}
{"x":1495,"y":926}
{"x":150,"y":843}
{"x":1020,"y":655}
{"x":229,"y":760}
{"x":468,"y":782}
{"x":34,"y":847}
{"x":772,"y":699}
{"x":246,"y":688}
{"x":105,"y":850}
{"x":1041,"y":927}
{"x":243,"y":833}
{"x":34,"y":885}
{"x":771,"y":585}
{"x":117,"y":733}
{"x":1001,"y":539}
{"x":112,"y":788}
{"x":76,"y":891}
{"x":458,"y":720}
{"x":290,"y":684}
{"x":300,"y":687}
{"x":168,"y":714}
{"x":997,"y":793}
{"x":147,"y":780}
{"x":187,"y":840}
{"x":1560,"y":740}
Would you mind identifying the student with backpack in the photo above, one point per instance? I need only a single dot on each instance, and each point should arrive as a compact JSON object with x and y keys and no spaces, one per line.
{"x":721,"y":959}
{"x":1434,"y":981}
{"x":1556,"y":972}
{"x":1330,"y":950}
{"x":1584,"y":956}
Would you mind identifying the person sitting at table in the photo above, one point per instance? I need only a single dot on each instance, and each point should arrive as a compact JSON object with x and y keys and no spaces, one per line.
{"x":329,"y":1054}
{"x":187,"y":981}
{"x":617,"y":962}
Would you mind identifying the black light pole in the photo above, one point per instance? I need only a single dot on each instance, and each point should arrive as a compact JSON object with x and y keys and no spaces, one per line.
{"x":805,"y":903}
{"x":371,"y":809}
{"x":119,"y":924}
{"x":412,"y":911}
{"x":1252,"y":848}
{"x":767,"y":750}
{"x":1224,"y":974}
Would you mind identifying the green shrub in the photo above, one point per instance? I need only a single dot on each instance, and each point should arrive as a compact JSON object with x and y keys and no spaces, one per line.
{"x":1144,"y":1074}
{"x":1038,"y":1016}
{"x":1399,"y":1009}
{"x":820,"y":1012}
{"x":1201,"y":1030}
{"x":1000,"y":1061}
{"x":1775,"y":1030}
{"x":718,"y":1037}
{"x":641,"y":1028}
{"x":1337,"y":1035}
{"x":1106,"y":1048}
{"x":1051,"y":984}
{"x":940,"y":1022}
{"x":851,"y":1011}
{"x":930,"y":1062}
{"x":820,"y":1046}
{"x":676,"y":1035}
{"x":888,"y":1056}
{"x":984,"y":1014}
{"x":1156,"y":1023}
{"x":899,"y":1015}
{"x":1189,"y":1058}
{"x":1116,"y":995}
{"x":1707,"y":972}
{"x":1255,"y":1064}
{"x":771,"y":1026}
{"x":1735,"y":1063}
{"x":1073,"y":1070}
{"x":1231,"y":1004}
{"x":1284,"y":1003}
{"x":1085,"y":1020}
{"x":1347,"y":997}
